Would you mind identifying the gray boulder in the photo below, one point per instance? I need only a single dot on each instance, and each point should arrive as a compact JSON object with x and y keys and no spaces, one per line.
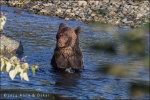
{"x":9,"y":45}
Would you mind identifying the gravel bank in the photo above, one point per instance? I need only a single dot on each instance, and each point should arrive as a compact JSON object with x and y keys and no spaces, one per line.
{"x":116,"y":12}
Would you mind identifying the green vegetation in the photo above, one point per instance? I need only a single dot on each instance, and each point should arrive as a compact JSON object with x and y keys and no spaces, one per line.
{"x":133,"y":44}
{"x":105,"y":46}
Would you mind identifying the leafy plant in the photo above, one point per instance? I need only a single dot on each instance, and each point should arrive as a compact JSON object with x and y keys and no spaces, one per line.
{"x":14,"y":66}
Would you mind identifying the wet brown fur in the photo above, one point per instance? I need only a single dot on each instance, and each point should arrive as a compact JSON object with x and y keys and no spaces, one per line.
{"x":67,"y":53}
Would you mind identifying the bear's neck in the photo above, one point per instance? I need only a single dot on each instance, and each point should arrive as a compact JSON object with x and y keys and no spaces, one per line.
{"x":66,"y":51}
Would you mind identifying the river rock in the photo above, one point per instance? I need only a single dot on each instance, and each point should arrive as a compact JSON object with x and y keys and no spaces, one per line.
{"x":103,"y":10}
{"x":44,"y":11}
{"x":93,"y":14}
{"x":89,"y":11}
{"x":71,"y":14}
{"x":139,"y":15}
{"x":77,"y":12}
{"x":106,"y":1}
{"x":80,"y":3}
{"x":48,"y":4}
{"x":9,"y":45}
{"x":68,"y":11}
{"x":82,"y":15}
{"x":58,"y":11}
{"x":56,"y":2}
{"x":93,"y":2}
{"x":125,"y":20}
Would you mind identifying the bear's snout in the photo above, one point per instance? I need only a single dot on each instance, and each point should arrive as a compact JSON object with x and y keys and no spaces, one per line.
{"x":61,"y":42}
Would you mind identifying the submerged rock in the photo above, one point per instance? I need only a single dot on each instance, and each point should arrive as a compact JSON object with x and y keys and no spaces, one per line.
{"x":9,"y":45}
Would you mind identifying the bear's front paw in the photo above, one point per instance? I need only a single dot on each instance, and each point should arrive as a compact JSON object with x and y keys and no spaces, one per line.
{"x":69,"y":70}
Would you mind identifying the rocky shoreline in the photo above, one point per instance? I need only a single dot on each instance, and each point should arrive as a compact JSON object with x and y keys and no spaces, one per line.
{"x":117,"y":12}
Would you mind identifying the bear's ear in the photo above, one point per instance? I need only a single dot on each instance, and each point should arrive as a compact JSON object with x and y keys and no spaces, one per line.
{"x":61,"y":25}
{"x":78,"y":30}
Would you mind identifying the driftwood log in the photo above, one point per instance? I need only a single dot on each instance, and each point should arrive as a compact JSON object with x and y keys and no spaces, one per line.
{"x":9,"y":45}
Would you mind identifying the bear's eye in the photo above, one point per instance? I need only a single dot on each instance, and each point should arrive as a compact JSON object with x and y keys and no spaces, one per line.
{"x":58,"y":36}
{"x":65,"y":35}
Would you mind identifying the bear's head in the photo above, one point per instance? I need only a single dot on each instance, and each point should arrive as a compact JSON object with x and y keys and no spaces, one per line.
{"x":66,"y":36}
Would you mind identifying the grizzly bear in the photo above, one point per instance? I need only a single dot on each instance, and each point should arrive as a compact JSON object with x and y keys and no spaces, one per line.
{"x":67,"y":53}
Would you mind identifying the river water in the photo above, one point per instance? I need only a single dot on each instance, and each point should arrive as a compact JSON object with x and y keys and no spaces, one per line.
{"x":38,"y":32}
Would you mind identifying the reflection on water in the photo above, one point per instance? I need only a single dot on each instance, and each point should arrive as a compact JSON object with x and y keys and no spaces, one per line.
{"x":38,"y":33}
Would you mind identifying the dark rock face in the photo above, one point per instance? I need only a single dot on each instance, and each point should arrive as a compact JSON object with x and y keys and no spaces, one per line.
{"x":9,"y":45}
{"x":67,"y":53}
